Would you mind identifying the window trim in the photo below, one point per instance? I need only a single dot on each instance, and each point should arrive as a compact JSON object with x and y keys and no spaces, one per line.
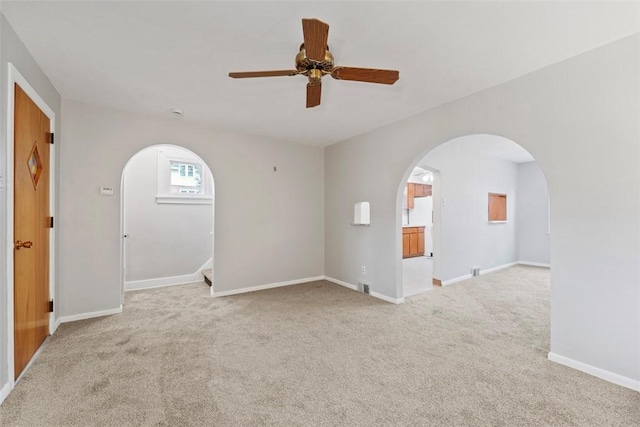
{"x":164,"y":194}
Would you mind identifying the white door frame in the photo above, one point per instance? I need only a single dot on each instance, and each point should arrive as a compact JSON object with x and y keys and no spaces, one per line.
{"x":16,"y":77}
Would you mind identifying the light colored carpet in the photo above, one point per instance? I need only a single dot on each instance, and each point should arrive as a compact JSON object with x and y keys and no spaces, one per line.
{"x":471,"y":354}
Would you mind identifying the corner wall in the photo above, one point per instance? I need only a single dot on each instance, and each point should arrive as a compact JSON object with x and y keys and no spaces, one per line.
{"x":467,"y":238}
{"x":534,"y":244}
{"x":574,"y":117}
{"x":268,"y":225}
{"x":12,"y":50}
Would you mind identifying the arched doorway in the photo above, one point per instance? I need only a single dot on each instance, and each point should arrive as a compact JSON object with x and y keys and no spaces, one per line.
{"x":167,"y":211}
{"x":489,"y":211}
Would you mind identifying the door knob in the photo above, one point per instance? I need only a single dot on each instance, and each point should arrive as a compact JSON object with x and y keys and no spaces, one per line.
{"x":21,"y":244}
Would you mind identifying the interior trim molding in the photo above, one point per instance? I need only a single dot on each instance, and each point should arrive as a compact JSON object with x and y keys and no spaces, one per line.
{"x":373,"y":294}
{"x":386,"y":298}
{"x":4,"y":391}
{"x":55,"y":326}
{"x":262,"y":287}
{"x":168,"y":281}
{"x":603,"y":374}
{"x":90,"y":315}
{"x":498,"y":267}
{"x":482,"y":272}
{"x":14,"y":77}
{"x":161,"y":282}
{"x":534,"y":264}
{"x":455,"y":280}
{"x":341,"y":283}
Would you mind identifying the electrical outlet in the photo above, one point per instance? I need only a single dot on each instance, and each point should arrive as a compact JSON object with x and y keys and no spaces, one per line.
{"x":363,"y":270}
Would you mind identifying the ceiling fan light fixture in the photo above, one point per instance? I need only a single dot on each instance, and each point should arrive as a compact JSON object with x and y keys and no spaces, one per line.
{"x":314,"y":60}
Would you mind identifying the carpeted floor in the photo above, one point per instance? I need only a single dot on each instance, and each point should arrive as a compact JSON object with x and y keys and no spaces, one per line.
{"x":471,"y":354}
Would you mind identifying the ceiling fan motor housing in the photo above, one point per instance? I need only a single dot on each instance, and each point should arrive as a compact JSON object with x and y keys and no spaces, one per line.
{"x":311,"y":68}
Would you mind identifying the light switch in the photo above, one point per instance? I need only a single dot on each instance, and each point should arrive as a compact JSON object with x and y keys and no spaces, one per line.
{"x":106,"y":191}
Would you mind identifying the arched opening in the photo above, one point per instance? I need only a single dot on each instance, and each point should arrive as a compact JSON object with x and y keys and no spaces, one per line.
{"x":473,"y":205}
{"x":167,"y":217}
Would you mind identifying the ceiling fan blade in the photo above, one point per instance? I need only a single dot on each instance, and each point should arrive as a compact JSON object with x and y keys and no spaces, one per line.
{"x":313,"y":94}
{"x":370,"y":75}
{"x":275,"y":73}
{"x":316,"y":34}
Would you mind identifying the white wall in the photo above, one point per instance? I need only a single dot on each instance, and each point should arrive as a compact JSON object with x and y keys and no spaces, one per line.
{"x":574,"y":117}
{"x":467,"y":176}
{"x":13,"y":50}
{"x":164,"y":239}
{"x":268,"y":225}
{"x":534,"y":245}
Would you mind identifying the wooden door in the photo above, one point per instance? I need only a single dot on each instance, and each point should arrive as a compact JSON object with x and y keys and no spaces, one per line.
{"x":31,"y":229}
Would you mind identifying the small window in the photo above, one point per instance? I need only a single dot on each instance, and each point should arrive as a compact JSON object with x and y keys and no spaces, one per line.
{"x":497,"y":207}
{"x":183,"y":178}
{"x":186,"y":178}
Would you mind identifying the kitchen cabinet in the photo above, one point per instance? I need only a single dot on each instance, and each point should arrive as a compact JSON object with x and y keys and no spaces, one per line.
{"x":422,"y":190}
{"x":412,"y":241}
{"x":416,"y":190}
{"x":411,"y":194}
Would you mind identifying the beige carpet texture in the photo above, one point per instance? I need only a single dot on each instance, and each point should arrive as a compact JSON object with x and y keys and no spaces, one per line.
{"x":470,"y":354}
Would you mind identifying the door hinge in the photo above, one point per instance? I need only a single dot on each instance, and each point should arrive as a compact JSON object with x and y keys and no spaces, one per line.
{"x":50,"y":222}
{"x":51,"y":138}
{"x":51,"y":306}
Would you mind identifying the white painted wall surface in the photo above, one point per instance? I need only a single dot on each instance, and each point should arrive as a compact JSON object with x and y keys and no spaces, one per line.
{"x":164,"y":240}
{"x":13,"y":50}
{"x":467,"y":239}
{"x":532,"y":223}
{"x":268,"y":225}
{"x":574,"y":117}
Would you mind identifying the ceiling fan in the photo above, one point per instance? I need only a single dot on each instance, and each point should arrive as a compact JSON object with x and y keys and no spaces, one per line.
{"x":315,"y":61}
{"x":427,"y":175}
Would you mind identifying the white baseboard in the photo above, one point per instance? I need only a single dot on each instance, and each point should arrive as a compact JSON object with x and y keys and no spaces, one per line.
{"x":456,"y":280}
{"x":267,"y":286}
{"x":160,"y":282}
{"x":91,"y":315}
{"x":386,"y":298}
{"x":596,"y":372}
{"x":497,"y":268}
{"x":355,"y":288}
{"x":534,"y":264}
{"x":482,"y":272}
{"x":56,"y":324}
{"x":341,"y":283}
{"x":4,"y":392}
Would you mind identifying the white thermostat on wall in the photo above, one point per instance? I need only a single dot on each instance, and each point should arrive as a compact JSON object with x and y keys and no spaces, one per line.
{"x":106,"y":191}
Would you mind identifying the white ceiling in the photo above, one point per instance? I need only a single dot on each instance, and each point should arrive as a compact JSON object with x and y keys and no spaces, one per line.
{"x":151,"y":56}
{"x":482,"y":145}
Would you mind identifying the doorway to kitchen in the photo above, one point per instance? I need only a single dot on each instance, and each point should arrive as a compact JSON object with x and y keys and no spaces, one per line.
{"x":417,"y":231}
{"x":471,"y":206}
